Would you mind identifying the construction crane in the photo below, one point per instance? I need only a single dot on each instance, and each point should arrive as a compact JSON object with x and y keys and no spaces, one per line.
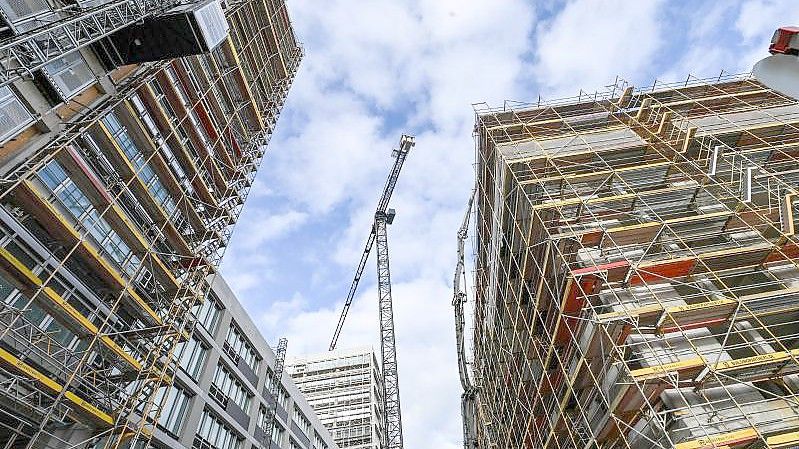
{"x":274,"y":390}
{"x":468,"y":398}
{"x":379,"y":234}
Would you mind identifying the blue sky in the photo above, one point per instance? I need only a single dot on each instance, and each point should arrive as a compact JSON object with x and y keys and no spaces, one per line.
{"x":375,"y":69}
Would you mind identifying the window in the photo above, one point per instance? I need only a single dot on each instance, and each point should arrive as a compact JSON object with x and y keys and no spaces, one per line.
{"x":174,"y":409}
{"x":208,"y":313}
{"x":192,"y":115}
{"x":226,"y":387}
{"x":78,"y":205}
{"x":278,"y":434}
{"x":269,"y":387}
{"x":238,"y":348}
{"x":192,"y":355}
{"x":69,"y":74}
{"x":277,"y":430}
{"x":18,"y":10}
{"x":213,"y":433}
{"x":302,"y":422}
{"x":318,"y":442}
{"x":163,"y":146}
{"x":143,"y":170}
{"x":13,"y":114}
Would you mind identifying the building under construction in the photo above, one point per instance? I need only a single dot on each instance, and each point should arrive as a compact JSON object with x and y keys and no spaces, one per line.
{"x":122,"y":173}
{"x":636,"y":269}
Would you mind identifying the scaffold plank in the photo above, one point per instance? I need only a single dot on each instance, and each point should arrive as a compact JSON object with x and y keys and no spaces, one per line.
{"x":55,"y":301}
{"x":83,"y":406}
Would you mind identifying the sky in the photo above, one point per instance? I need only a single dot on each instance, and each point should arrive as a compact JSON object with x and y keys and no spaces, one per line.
{"x":376,"y":69}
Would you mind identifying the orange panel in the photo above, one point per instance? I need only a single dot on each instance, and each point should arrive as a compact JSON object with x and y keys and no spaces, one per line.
{"x":234,"y":143}
{"x":592,"y":238}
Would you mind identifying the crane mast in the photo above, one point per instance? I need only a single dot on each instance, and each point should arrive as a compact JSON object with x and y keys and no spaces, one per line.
{"x":274,"y":390}
{"x":379,"y":235}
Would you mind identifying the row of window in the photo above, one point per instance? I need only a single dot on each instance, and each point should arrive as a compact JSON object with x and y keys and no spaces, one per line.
{"x":239,"y":348}
{"x":209,"y":312}
{"x":302,"y":422}
{"x":141,"y":164}
{"x":213,"y":433}
{"x":226,"y":387}
{"x":174,"y":408}
{"x":181,"y":224}
{"x":78,"y":205}
{"x":270,"y":386}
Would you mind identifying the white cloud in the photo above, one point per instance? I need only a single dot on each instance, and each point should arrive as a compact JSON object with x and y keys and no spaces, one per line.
{"x":592,"y":41}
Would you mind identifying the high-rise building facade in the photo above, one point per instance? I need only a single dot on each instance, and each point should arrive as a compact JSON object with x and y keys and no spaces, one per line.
{"x":636,"y":269}
{"x":343,"y":388}
{"x":122,"y":173}
{"x":221,"y":392}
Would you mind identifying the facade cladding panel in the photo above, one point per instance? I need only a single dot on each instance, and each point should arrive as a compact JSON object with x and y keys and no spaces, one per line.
{"x":342,"y":387}
{"x":636,"y":269}
{"x":120,"y":188}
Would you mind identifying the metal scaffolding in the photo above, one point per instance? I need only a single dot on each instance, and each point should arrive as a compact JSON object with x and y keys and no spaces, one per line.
{"x":636,"y":269}
{"x":200,"y":125}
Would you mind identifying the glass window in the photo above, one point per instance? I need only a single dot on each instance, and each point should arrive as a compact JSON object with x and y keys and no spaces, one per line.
{"x":78,"y":205}
{"x":70,"y":74}
{"x":209,"y":312}
{"x":213,"y":433}
{"x":13,"y":114}
{"x":143,"y":170}
{"x":302,"y":422}
{"x":226,"y":387}
{"x":192,"y":355}
{"x":174,"y":410}
{"x":239,"y":348}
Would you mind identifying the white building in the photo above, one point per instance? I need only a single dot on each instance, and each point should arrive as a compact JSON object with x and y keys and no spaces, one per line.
{"x":343,"y":388}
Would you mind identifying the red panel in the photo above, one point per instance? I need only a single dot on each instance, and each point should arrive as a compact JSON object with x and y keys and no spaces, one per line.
{"x":667,"y":270}
{"x":789,"y":251}
{"x":592,"y":238}
{"x":234,"y":143}
{"x":599,"y":268}
{"x":193,"y":262}
{"x":781,"y":43}
{"x":89,"y":174}
{"x":572,"y":305}
{"x":625,"y":332}
{"x":206,"y":120}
